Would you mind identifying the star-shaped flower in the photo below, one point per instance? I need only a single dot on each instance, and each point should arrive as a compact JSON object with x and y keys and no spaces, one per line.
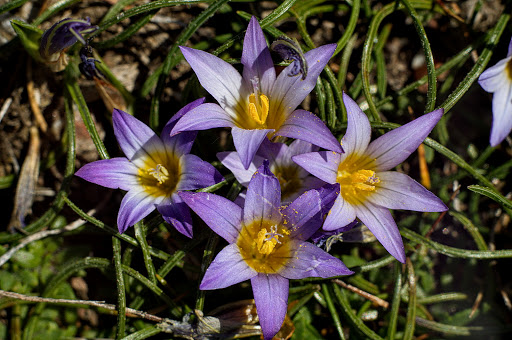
{"x":498,"y":80}
{"x":257,"y":104}
{"x":366,"y":189}
{"x":152,"y":172}
{"x":293,"y":179}
{"x":266,"y":244}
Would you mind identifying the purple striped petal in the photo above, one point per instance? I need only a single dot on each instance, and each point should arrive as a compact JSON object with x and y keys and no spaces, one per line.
{"x":399,"y":191}
{"x":228,"y":268}
{"x":304,"y":125}
{"x":341,"y":214}
{"x":232,"y":161}
{"x":394,"y":147}
{"x":310,"y":261}
{"x":288,"y":92}
{"x":381,"y":224}
{"x":358,"y":134}
{"x":181,"y":143}
{"x":247,"y":142}
{"x":177,"y":213}
{"x":196,"y":173}
{"x":256,"y":58}
{"x":132,"y":135}
{"x":271,"y":298}
{"x":218,"y":77}
{"x":204,"y":117}
{"x":323,"y":164}
{"x":115,"y":173}
{"x":501,"y":114}
{"x":263,"y":197}
{"x":134,"y":207}
{"x":220,"y":214}
{"x":298,"y":213}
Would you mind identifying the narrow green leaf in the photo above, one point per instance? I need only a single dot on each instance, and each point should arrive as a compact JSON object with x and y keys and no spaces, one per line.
{"x":411,"y":307}
{"x":10,"y":5}
{"x":333,"y":311}
{"x":121,"y":292}
{"x":30,"y":37}
{"x":346,"y":308}
{"x":455,"y":252}
{"x":71,"y":75}
{"x":491,"y":194}
{"x":395,"y":303}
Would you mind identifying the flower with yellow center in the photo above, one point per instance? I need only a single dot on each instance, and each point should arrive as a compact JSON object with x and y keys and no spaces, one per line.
{"x":152,"y":172}
{"x":258,"y":104}
{"x":293,"y":179}
{"x":266,"y":244}
{"x":365,"y":188}
{"x":497,"y":79}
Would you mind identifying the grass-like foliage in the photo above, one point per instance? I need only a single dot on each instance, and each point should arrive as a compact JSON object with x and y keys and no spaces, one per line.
{"x":255,"y":169}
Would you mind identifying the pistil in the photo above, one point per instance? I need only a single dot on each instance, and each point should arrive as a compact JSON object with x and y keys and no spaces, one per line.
{"x":160,"y":173}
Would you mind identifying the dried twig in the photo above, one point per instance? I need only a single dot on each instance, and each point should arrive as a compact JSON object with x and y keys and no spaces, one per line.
{"x":5,"y":107}
{"x":41,"y":122}
{"x":130,"y":312}
{"x":375,"y":299}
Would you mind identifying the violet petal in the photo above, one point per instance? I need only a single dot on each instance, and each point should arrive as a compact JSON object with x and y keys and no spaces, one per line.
{"x":220,"y":214}
{"x":271,"y":298}
{"x":304,"y":125}
{"x":228,"y":268}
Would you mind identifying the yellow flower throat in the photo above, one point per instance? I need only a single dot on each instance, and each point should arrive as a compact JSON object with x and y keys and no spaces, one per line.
{"x":264,"y":246}
{"x":160,"y":174}
{"x":356,"y":184}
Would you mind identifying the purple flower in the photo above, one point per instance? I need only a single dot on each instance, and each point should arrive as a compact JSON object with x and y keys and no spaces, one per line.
{"x":152,"y":172}
{"x":293,"y":179}
{"x":498,"y":80}
{"x":266,"y":244}
{"x":257,"y":104}
{"x":62,"y":35}
{"x":366,"y":189}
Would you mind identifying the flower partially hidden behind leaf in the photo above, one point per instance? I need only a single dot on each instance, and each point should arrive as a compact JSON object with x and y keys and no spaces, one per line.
{"x":266,"y":244}
{"x":152,"y":172}
{"x":257,"y":104}
{"x":58,"y":38}
{"x":293,"y":179}
{"x":365,"y":187}
{"x":498,"y":80}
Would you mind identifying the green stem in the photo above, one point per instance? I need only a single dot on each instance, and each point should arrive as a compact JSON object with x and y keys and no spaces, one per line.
{"x":332,"y":310}
{"x":121,"y":292}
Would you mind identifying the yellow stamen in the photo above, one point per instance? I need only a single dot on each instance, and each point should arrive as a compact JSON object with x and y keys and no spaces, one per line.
{"x":258,"y":108}
{"x":264,"y":251}
{"x":266,"y":242}
{"x":160,"y":173}
{"x":356,"y":185}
